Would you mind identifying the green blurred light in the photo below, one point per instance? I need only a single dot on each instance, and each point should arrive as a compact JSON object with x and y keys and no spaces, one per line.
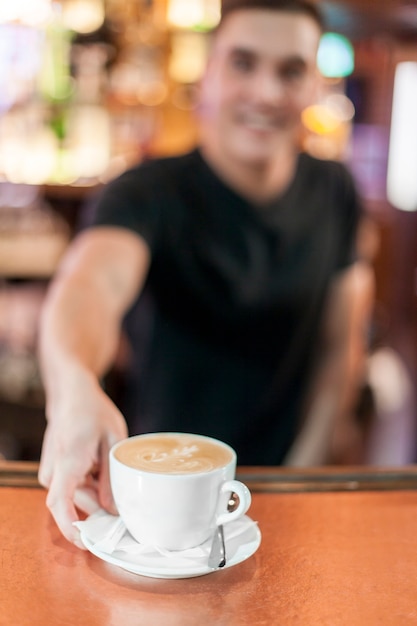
{"x":336,"y":57}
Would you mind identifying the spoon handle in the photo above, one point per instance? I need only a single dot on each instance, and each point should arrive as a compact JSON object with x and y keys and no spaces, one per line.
{"x":222,"y":561}
{"x":217,"y":557}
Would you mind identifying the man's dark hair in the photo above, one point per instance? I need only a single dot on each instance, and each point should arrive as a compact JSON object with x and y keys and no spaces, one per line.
{"x":303,"y":7}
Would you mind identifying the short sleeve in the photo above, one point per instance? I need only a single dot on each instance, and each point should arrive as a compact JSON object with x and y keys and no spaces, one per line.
{"x":350,"y":209}
{"x":131,"y":201}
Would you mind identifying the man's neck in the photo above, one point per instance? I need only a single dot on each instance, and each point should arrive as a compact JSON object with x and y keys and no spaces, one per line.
{"x":257,"y":182}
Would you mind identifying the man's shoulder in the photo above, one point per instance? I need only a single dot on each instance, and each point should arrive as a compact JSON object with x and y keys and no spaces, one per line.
{"x":326,"y":166}
{"x":328,"y":170}
{"x":156,"y":169}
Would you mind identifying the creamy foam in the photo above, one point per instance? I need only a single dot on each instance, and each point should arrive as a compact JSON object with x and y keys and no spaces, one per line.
{"x":173,"y":454}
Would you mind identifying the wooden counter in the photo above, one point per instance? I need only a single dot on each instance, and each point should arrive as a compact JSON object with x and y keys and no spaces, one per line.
{"x":339,"y":547}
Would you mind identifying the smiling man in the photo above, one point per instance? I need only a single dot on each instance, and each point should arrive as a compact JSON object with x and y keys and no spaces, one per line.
{"x":261,"y":75}
{"x":243,"y":252}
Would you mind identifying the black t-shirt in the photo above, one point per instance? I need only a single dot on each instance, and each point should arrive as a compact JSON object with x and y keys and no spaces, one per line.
{"x":227,"y":330}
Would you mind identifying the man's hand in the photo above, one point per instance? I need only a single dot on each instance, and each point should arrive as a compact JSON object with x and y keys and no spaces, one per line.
{"x":74,"y":463}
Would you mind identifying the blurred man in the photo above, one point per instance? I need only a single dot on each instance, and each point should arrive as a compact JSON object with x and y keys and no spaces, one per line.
{"x":246,"y":250}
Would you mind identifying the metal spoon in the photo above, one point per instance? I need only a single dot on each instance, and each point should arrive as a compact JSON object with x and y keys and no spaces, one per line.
{"x":217,"y":556}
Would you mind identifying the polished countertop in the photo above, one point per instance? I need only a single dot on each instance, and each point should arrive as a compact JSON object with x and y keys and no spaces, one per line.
{"x":339,"y":547}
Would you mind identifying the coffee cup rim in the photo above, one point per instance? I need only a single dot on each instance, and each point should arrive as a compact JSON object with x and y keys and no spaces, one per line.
{"x":173,"y":476}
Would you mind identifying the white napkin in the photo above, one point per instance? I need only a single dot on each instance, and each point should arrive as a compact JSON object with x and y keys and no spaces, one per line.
{"x":108,"y":533}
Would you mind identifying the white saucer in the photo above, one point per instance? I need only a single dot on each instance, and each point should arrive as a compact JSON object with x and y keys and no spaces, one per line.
{"x":242,"y":538}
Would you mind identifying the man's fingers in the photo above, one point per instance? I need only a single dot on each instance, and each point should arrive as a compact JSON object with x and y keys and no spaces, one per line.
{"x":86,"y":499}
{"x":76,"y":481}
{"x":60,"y":501}
{"x":44,"y":474}
{"x":104,"y":488}
{"x":46,"y":462}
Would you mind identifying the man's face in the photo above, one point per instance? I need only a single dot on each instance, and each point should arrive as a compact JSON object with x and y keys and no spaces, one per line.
{"x":262,"y":73}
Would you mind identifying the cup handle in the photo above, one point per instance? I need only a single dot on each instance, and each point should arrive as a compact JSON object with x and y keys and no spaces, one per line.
{"x":243,"y":493}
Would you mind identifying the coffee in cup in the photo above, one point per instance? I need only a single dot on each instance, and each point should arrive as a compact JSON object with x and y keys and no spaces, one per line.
{"x":173,"y":489}
{"x":173,"y":454}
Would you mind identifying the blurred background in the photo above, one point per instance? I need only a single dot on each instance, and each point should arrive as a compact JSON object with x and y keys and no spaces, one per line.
{"x":89,"y":87}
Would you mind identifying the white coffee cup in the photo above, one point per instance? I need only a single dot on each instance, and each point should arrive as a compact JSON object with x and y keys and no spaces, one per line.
{"x":173,"y":489}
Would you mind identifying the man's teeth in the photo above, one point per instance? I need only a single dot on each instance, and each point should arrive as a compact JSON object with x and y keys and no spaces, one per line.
{"x":259,"y":122}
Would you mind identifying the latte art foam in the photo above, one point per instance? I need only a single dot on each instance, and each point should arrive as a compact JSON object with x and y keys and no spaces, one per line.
{"x":173,"y":454}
